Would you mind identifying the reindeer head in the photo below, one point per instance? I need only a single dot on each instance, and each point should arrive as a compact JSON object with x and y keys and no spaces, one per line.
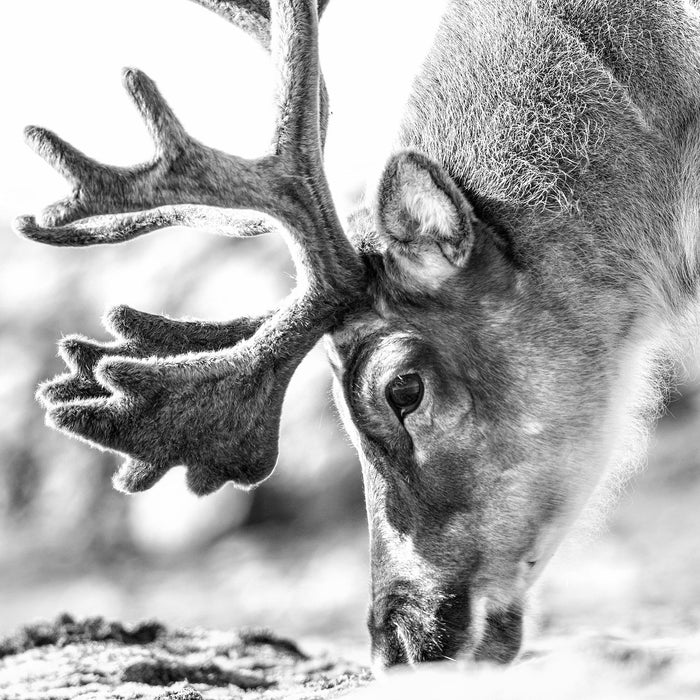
{"x":470,"y":409}
{"x":474,"y":414}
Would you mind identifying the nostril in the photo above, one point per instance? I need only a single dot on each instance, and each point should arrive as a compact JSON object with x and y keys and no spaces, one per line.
{"x":401,"y":622}
{"x":389,"y":648}
{"x":390,"y":639}
{"x":532,"y":563}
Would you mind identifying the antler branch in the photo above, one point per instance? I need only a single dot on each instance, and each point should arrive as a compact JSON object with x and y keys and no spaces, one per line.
{"x":175,"y":187}
{"x":185,"y":184}
{"x":216,"y":411}
{"x":137,"y":334}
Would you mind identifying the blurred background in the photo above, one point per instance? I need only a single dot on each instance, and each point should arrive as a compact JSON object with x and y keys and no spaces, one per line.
{"x":292,"y":554}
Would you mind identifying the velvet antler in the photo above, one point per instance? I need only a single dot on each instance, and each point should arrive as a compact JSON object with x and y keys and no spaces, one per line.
{"x":138,"y":334}
{"x":216,"y":412}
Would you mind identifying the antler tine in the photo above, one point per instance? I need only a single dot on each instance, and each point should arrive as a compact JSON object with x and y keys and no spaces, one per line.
{"x":186,"y":184}
{"x":67,"y":160}
{"x":118,"y":228}
{"x":218,"y":412}
{"x":168,"y":134}
{"x":137,"y":334}
{"x":253,"y":16}
{"x":178,"y":187}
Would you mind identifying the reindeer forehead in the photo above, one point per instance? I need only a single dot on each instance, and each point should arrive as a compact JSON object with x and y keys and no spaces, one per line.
{"x":398,"y":330}
{"x":383,"y":336}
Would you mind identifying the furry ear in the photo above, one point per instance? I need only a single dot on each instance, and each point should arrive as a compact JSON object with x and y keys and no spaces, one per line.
{"x":424,"y":220}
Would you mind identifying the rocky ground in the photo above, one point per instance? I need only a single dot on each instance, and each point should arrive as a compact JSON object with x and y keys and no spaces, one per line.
{"x":97,"y":659}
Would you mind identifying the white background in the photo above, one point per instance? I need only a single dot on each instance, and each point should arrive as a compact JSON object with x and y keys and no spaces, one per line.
{"x":61,"y":62}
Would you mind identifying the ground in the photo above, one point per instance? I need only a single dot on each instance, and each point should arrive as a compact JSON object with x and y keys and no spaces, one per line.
{"x":98,"y":659}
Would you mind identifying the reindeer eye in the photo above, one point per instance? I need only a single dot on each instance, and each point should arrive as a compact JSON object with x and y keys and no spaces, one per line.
{"x":404,"y":394}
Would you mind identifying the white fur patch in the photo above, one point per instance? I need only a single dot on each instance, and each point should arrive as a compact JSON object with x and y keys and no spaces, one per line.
{"x":427,"y":270}
{"x":405,"y":560}
{"x":633,"y":405}
{"x":427,"y":204}
{"x":532,"y":427}
{"x":688,"y":218}
{"x":479,"y":610}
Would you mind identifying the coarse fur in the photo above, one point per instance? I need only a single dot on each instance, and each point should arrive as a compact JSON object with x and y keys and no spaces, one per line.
{"x":571,"y":128}
{"x":530,"y":261}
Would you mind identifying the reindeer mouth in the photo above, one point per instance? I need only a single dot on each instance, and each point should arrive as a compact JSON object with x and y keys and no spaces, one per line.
{"x":410,"y":635}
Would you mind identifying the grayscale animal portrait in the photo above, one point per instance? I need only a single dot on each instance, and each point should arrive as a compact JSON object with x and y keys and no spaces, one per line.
{"x":500,"y":312}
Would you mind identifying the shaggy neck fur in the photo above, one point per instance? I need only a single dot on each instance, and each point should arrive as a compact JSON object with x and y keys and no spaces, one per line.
{"x":573,"y":124}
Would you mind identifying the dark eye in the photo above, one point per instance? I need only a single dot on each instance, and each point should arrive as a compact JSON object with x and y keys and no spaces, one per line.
{"x":404,"y":394}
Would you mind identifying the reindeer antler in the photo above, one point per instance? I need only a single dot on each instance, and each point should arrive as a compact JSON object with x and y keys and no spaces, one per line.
{"x":253,"y":16}
{"x":137,"y":334}
{"x":215,"y":412}
{"x":185,"y":184}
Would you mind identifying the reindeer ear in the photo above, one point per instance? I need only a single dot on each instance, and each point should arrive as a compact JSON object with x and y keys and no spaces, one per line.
{"x":425,"y":221}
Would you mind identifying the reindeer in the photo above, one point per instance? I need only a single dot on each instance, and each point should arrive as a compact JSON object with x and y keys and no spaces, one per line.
{"x":495,"y":316}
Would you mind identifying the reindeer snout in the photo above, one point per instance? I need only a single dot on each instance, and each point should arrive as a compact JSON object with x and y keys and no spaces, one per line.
{"x":388,"y":649}
{"x":406,"y":626}
{"x":395,"y":630}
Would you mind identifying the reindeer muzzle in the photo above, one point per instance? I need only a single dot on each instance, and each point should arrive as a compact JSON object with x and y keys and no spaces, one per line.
{"x":407,"y":628}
